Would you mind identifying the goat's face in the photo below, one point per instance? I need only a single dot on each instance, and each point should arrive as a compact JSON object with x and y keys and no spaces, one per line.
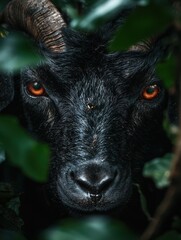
{"x":91,"y":108}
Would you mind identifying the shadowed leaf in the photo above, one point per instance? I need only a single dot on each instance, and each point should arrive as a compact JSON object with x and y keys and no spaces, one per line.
{"x":6,"y":192}
{"x":3,"y":3}
{"x":102,"y":11}
{"x":167,"y":71}
{"x":16,"y":52}
{"x":141,"y":24}
{"x":96,"y":228}
{"x":23,"y":151}
{"x":159,"y":170}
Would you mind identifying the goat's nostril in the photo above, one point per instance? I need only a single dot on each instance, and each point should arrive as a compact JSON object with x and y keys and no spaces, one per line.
{"x":72,"y":175}
{"x":105,"y":183}
{"x":94,"y":181}
{"x":116,"y":173}
{"x":84,"y":184}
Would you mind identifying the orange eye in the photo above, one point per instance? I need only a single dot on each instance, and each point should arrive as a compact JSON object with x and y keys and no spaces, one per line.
{"x":151,"y":92}
{"x":35,"y":89}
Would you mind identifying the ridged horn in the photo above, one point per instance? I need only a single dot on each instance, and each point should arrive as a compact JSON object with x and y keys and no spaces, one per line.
{"x":39,"y":18}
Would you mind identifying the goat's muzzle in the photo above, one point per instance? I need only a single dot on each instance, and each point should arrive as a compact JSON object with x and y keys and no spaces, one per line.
{"x":94,"y":187}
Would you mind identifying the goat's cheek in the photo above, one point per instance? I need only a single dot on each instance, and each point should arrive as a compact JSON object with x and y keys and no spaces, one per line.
{"x":50,"y":117}
{"x":37,"y":112}
{"x":144,"y":113}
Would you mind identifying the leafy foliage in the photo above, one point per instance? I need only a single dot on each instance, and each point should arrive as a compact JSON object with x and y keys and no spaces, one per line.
{"x":91,"y":228}
{"x":24,"y":152}
{"x":16,"y":51}
{"x":9,"y":208}
{"x":159,"y":170}
{"x":166,"y":70}
{"x":99,"y":13}
{"x":138,"y":28}
{"x":3,"y":3}
{"x":89,"y":15}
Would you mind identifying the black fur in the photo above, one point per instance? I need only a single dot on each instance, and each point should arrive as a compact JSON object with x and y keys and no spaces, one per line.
{"x":96,"y":122}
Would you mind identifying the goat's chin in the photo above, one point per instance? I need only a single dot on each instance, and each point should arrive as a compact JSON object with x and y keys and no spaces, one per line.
{"x":76,"y":213}
{"x":109,"y":202}
{"x":106,"y":210}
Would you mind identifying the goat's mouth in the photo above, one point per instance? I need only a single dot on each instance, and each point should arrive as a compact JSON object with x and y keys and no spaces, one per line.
{"x":85,"y":202}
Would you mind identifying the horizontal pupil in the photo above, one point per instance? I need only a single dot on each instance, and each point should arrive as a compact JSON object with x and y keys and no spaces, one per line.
{"x":150,"y":90}
{"x":37,"y":86}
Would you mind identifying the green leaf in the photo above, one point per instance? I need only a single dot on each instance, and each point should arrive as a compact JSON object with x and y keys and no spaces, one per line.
{"x":141,"y":24}
{"x":24,"y":152}
{"x":14,"y":205}
{"x":9,"y":219}
{"x":159,"y":170}
{"x":167,"y":71}
{"x":9,"y":208}
{"x":100,"y":12}
{"x":96,"y":228}
{"x":3,"y":3}
{"x":17,"y":51}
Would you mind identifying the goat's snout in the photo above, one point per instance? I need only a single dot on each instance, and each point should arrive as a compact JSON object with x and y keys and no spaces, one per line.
{"x":93,"y":179}
{"x":94,"y":186}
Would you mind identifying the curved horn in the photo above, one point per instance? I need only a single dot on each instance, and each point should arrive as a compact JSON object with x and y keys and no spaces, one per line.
{"x":39,"y":18}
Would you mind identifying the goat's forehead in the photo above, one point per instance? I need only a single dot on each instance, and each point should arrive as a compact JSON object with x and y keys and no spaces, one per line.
{"x":91,"y":81}
{"x":107,"y":66}
{"x":92,"y":72}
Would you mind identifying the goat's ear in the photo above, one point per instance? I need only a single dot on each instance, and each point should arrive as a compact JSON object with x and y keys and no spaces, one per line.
{"x":6,"y":90}
{"x":158,"y":47}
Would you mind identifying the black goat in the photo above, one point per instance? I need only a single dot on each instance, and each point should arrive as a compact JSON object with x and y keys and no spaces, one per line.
{"x":101,"y":113}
